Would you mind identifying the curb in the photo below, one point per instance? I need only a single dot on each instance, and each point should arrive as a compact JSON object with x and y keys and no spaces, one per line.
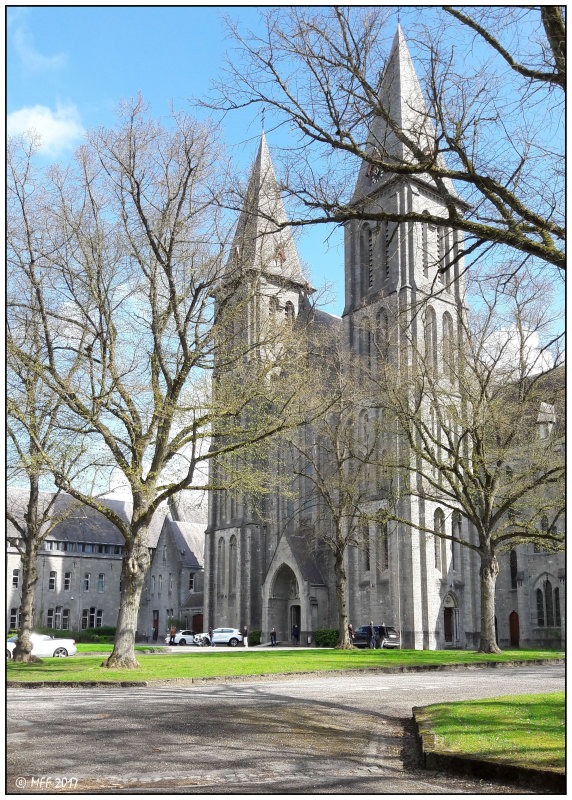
{"x":13,"y":684}
{"x":546,"y":780}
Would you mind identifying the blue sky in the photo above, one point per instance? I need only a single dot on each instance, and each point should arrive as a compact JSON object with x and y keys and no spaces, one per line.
{"x":68,"y":67}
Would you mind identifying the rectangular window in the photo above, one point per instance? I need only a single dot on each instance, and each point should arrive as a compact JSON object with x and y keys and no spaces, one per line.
{"x":67,"y":581}
{"x":14,"y":617}
{"x":50,"y":619}
{"x":100,"y":582}
{"x":160,"y":583}
{"x":86,"y":581}
{"x":99,"y":619}
{"x":170,"y":583}
{"x":65,"y":619}
{"x":48,"y":545}
{"x":15,"y":578}
{"x":88,"y":548}
{"x":153,"y":584}
{"x":52,"y":581}
{"x":191,"y":582}
{"x":92,"y":617}
{"x":84,"y":619}
{"x":58,"y":618}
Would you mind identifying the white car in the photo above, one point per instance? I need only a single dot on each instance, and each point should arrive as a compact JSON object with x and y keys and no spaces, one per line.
{"x":230,"y":636}
{"x":181,"y":637}
{"x":44,"y":646}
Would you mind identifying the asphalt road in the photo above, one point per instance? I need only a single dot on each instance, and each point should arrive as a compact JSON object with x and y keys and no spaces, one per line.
{"x":320,"y":734}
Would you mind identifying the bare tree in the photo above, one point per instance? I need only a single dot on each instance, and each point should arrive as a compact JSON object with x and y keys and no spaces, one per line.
{"x":477,"y":434}
{"x":125,"y":301}
{"x":37,"y":433}
{"x":329,"y":463}
{"x":488,"y":114}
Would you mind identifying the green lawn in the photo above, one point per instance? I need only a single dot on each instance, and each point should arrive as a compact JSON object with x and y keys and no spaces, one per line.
{"x":208,"y":663}
{"x":526,"y":730}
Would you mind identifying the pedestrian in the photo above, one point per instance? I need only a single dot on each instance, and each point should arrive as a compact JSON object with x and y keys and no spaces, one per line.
{"x":155,"y":634}
{"x":371,"y":636}
{"x":273,"y":637}
{"x":211,"y":637}
{"x":245,"y":636}
{"x":173,"y":632}
{"x":351,"y":633}
{"x":296,"y":634}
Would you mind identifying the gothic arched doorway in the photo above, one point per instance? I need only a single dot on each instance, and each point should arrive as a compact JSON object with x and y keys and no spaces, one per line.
{"x":284,"y":603}
{"x":450,"y":619}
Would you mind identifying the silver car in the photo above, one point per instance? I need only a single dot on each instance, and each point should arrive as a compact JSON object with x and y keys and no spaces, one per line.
{"x":230,"y":636}
{"x":44,"y":646}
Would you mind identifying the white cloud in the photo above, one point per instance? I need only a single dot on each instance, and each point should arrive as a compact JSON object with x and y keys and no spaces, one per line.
{"x":58,"y":130}
{"x":32,"y":60}
{"x":509,"y":340}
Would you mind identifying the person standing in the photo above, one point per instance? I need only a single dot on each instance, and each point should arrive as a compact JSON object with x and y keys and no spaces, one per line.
{"x":296,"y":634}
{"x":173,"y":633}
{"x":371,"y":636}
{"x":245,"y":636}
{"x":273,"y":637}
{"x":351,"y":633}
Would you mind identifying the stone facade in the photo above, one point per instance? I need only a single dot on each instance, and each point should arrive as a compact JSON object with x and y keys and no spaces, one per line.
{"x":79,"y":569}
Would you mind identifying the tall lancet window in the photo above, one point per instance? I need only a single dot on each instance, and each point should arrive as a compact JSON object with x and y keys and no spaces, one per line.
{"x":448,"y":349}
{"x":221,"y":566}
{"x":382,"y":334}
{"x":289,"y":312}
{"x":365,"y":260}
{"x":232,"y":564}
{"x":431,"y":341}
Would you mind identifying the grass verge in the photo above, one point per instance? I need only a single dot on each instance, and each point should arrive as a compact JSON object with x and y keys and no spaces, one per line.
{"x":208,"y":663}
{"x":523,"y":730}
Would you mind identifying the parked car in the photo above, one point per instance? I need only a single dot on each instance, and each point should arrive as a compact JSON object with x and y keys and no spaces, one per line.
{"x":385,"y":636}
{"x":230,"y":636}
{"x":181,"y":637}
{"x":44,"y":646}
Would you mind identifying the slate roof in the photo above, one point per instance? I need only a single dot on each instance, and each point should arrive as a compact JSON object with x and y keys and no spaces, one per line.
{"x":189,"y":538}
{"x":84,"y":524}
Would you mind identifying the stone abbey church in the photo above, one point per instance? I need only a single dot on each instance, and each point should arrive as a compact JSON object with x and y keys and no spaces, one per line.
{"x":266,"y":574}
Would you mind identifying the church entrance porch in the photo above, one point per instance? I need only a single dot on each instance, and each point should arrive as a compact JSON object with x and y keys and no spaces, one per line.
{"x":284,"y":605}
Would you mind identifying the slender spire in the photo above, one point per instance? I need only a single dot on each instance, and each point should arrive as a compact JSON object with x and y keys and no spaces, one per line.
{"x":258,"y":243}
{"x":401,"y":96}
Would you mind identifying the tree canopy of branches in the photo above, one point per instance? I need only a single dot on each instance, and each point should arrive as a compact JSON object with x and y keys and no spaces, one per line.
{"x":480,"y":431}
{"x":493,"y":83}
{"x":121,"y":255}
{"x":330,"y":462}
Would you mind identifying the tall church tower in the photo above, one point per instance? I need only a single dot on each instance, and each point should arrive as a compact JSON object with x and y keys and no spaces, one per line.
{"x":238,"y":543}
{"x":400,"y":299}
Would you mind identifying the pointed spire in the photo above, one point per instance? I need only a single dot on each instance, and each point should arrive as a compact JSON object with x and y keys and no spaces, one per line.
{"x":258,"y":244}
{"x":401,"y":96}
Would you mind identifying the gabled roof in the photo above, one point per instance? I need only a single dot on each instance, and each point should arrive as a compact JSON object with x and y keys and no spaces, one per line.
{"x":400,"y":95}
{"x":258,"y":244}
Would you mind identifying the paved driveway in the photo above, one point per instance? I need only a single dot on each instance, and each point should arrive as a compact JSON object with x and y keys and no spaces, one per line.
{"x":322,"y":734}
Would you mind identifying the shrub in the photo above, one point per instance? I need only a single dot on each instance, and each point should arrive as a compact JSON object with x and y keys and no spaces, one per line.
{"x":254,"y":637}
{"x":327,"y":637}
{"x":104,"y":634}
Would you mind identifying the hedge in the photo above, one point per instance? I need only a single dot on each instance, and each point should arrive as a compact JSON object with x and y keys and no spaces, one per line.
{"x":327,"y":637}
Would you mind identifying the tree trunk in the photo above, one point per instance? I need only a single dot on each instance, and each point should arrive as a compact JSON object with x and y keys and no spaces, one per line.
{"x":133,"y":570}
{"x":23,"y":649}
{"x":343,"y":642}
{"x":489,"y":572}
